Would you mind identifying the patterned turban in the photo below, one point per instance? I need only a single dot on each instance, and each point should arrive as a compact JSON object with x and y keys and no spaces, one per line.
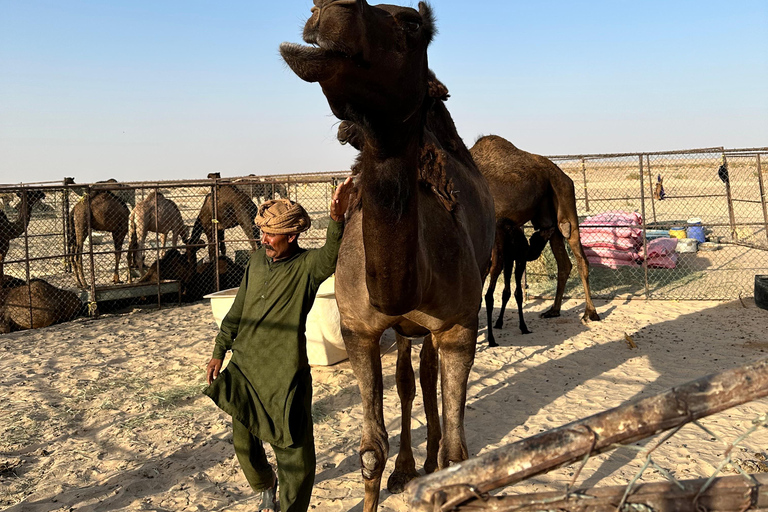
{"x":282,"y":216}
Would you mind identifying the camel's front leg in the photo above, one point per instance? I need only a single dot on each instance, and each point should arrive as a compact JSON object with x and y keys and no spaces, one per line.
{"x":163,"y":240}
{"x":363,"y":351}
{"x":405,"y":466}
{"x":428,"y":377}
{"x":457,"y":353}
{"x":117,"y":238}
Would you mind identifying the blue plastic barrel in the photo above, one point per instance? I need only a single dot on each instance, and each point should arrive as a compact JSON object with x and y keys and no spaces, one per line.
{"x":695,"y":230}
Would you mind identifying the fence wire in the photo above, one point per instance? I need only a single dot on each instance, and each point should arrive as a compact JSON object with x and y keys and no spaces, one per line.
{"x":68,"y":249}
{"x":635,"y":205}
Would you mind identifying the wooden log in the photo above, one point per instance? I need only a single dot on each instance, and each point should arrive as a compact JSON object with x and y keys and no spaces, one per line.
{"x":625,"y":424}
{"x":725,"y":494}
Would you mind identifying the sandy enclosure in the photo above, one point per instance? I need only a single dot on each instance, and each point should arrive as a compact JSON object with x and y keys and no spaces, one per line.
{"x":107,"y":414}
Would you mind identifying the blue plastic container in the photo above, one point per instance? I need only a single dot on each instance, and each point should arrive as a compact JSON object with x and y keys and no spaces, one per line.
{"x":695,"y":230}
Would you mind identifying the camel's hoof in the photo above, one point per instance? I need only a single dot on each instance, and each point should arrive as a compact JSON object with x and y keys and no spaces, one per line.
{"x":430,"y":466}
{"x":498,"y":325}
{"x":492,"y":343}
{"x":550,"y":314}
{"x":525,"y":330}
{"x":397,"y":481}
{"x":590,"y":316}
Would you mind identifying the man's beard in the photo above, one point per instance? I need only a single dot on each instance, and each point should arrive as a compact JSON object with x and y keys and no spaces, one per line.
{"x":268,"y":247}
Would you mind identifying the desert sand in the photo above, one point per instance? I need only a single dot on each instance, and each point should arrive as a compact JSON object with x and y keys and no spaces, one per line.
{"x":107,"y":414}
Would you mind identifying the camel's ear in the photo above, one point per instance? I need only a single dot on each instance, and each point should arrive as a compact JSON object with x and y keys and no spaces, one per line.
{"x":437,"y":89}
{"x":427,"y":21}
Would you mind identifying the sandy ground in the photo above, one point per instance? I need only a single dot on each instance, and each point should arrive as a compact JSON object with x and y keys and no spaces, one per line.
{"x":107,"y":414}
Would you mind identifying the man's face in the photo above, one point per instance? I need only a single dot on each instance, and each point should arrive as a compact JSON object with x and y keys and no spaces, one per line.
{"x":277,"y":246}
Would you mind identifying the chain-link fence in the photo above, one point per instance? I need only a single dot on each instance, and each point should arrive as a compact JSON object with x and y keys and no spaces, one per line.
{"x":67,"y":249}
{"x":676,"y":225}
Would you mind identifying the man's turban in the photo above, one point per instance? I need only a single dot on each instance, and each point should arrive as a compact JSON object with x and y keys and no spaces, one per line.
{"x":282,"y":216}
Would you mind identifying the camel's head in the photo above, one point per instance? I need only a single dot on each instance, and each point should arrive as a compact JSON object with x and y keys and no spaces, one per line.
{"x":370,"y":60}
{"x":33,"y":195}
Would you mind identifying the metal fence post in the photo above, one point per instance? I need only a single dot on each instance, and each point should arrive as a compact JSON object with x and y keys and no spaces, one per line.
{"x":157,"y":246}
{"x":64,"y":223}
{"x":651,"y":187}
{"x":731,"y":216}
{"x":25,"y":205}
{"x":584,"y":177}
{"x":645,"y":241}
{"x":215,"y":224}
{"x":762,"y":194}
{"x":93,"y":310}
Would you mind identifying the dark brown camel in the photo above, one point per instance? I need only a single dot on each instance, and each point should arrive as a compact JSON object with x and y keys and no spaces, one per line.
{"x":234,"y":208}
{"x":525,"y":187}
{"x":10,"y":230}
{"x":107,"y":213}
{"x":50,"y":305}
{"x":528,"y":187}
{"x":418,"y":239}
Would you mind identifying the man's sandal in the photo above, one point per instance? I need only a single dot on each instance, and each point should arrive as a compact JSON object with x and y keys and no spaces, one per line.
{"x":268,"y":499}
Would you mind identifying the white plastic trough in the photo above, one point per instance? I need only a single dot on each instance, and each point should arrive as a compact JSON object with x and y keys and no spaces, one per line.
{"x":325,"y":345}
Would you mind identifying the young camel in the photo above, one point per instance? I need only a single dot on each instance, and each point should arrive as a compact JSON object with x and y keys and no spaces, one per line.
{"x":144,"y":218}
{"x":10,"y":230}
{"x":418,"y":238}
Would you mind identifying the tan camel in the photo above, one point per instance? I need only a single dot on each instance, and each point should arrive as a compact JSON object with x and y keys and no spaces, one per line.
{"x":528,"y":187}
{"x":10,"y":230}
{"x":143,"y":219}
{"x":418,"y":239}
{"x":234,"y":208}
{"x":107,"y":213}
{"x":49,"y":305}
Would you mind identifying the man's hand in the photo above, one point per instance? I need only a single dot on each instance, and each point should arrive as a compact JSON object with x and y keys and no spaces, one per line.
{"x":340,"y":201}
{"x":214,"y":367}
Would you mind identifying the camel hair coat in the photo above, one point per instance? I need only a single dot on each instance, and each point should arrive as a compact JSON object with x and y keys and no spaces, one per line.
{"x":267,"y":385}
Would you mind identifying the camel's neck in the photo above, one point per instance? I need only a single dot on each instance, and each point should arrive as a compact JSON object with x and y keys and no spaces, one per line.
{"x":391,"y":226}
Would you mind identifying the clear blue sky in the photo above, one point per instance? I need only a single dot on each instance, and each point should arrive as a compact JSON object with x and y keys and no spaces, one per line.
{"x":144,"y":90}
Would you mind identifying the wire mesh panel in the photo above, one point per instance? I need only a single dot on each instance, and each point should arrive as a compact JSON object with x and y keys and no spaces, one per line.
{"x":109,"y":244}
{"x":681,"y":225}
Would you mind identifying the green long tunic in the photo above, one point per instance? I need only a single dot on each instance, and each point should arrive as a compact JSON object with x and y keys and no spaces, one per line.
{"x":267,"y":385}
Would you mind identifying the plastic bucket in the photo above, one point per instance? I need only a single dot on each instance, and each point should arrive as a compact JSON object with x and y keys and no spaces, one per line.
{"x":677,"y":232}
{"x":686,"y":245}
{"x":695,"y":230}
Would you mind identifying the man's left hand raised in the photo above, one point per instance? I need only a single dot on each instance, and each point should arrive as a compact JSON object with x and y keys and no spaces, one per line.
{"x":340,"y":201}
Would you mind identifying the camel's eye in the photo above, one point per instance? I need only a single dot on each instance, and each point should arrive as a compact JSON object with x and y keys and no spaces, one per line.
{"x":411,"y":26}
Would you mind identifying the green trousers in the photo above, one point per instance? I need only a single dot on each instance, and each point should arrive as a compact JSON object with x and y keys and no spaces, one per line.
{"x":295,"y":466}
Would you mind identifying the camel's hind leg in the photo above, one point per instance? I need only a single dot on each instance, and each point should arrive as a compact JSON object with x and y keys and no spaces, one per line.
{"x":590,"y":313}
{"x":520,"y":262}
{"x":457,"y":353}
{"x":564,"y":266}
{"x":497,"y":256}
{"x":405,"y":466}
{"x":364,"y":356}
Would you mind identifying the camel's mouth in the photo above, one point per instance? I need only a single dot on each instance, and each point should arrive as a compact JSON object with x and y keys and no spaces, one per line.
{"x":312,"y":63}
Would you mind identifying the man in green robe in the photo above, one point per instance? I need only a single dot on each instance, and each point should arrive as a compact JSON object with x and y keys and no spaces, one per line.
{"x":267,"y":386}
